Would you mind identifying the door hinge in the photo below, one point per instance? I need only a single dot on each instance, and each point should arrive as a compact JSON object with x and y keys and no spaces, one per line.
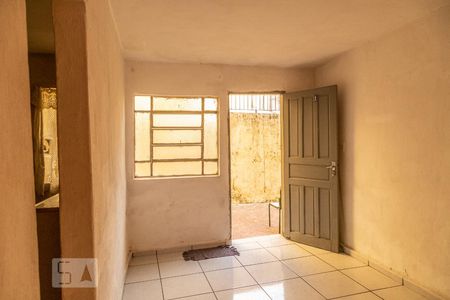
{"x":315,"y":98}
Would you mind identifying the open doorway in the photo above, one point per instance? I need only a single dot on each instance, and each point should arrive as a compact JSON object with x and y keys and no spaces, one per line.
{"x":44,"y":108}
{"x":255,"y":163}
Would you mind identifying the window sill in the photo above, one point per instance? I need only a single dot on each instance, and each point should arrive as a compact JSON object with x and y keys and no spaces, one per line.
{"x":174,"y":177}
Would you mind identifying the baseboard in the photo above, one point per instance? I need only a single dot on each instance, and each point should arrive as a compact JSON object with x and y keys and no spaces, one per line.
{"x":421,"y":290}
{"x":129,"y":257}
{"x":393,"y":274}
{"x":209,"y":245}
{"x":396,"y":276}
{"x":143,"y":253}
{"x":180,"y":249}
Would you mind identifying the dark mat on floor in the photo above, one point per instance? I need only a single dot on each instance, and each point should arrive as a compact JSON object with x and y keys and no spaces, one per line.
{"x":201,"y":254}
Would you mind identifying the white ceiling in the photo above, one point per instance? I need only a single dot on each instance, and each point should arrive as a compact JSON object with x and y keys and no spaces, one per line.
{"x":283,"y":33}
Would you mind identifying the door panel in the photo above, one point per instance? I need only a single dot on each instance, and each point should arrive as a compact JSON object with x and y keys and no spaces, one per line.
{"x":310,"y":180}
{"x":324,"y":127}
{"x":294,"y":192}
{"x":307,"y":140}
{"x":324,"y":211}
{"x":308,"y":172}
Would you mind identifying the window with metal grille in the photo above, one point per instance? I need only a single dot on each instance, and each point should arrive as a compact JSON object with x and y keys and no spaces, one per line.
{"x":175,"y":136}
{"x":255,"y":103}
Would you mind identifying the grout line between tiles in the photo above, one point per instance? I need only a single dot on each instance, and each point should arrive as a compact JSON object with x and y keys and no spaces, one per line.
{"x":397,"y":283}
{"x":176,"y":276}
{"x":312,"y":287}
{"x":149,"y":263}
{"x":393,"y":274}
{"x":140,"y":281}
{"x":340,"y":297}
{"x":209,"y":283}
{"x":340,"y":271}
{"x":260,"y":285}
{"x":257,"y":283}
{"x":268,"y":282}
{"x":361,"y":284}
{"x":242,"y":287}
{"x":227,"y":268}
{"x":184,"y":297}
{"x":236,"y":288}
{"x":317,"y":256}
{"x":160,"y":279}
{"x":366,"y":265}
{"x":388,"y":287}
{"x":376,"y":295}
{"x":281,"y":261}
{"x":355,"y":281}
{"x":324,"y":272}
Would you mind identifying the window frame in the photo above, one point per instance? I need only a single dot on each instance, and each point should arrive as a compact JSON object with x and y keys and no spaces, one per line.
{"x":152,"y":128}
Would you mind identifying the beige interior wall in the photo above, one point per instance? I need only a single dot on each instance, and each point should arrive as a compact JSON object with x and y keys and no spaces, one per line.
{"x":394,"y":109}
{"x":75,"y":175}
{"x":107,"y":136}
{"x":165,"y":213}
{"x":255,"y":147}
{"x":92,"y":150}
{"x":19,"y":275}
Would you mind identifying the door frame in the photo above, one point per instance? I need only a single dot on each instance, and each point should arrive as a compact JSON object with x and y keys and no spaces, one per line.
{"x":230,"y":208}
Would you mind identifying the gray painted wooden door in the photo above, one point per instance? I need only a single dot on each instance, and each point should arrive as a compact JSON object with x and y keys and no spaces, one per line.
{"x":310,"y":162}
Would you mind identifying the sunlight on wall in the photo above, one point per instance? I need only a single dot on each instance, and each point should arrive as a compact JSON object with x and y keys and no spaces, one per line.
{"x":255,"y":157}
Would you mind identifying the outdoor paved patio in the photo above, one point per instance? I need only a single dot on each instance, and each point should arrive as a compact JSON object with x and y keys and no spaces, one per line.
{"x":253,"y":220}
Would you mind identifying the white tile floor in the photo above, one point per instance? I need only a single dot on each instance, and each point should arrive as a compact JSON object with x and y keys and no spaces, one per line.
{"x":269,"y":267}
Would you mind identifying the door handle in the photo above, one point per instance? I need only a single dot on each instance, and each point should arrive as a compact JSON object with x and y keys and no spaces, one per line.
{"x":333,"y":168}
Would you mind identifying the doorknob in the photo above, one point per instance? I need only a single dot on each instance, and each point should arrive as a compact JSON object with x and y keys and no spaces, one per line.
{"x":333,"y":167}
